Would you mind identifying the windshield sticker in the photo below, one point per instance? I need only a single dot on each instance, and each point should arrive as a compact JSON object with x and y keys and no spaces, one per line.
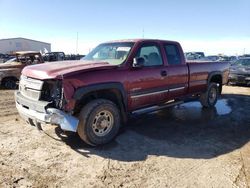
{"x":126,"y":49}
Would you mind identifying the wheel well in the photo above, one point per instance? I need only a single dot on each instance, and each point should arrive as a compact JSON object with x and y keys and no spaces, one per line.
{"x":217,"y":79}
{"x":8,"y":78}
{"x":113,"y":95}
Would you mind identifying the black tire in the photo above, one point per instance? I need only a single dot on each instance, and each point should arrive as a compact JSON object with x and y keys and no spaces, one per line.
{"x":91,"y":119}
{"x":9,"y":83}
{"x":210,"y":97}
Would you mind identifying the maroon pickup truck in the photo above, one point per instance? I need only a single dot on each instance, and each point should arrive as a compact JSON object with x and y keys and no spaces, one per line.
{"x":96,"y":95}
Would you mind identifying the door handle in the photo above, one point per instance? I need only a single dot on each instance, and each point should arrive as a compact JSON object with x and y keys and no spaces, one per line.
{"x":164,"y":73}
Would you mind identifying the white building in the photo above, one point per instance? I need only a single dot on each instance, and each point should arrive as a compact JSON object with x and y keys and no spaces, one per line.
{"x":8,"y":46}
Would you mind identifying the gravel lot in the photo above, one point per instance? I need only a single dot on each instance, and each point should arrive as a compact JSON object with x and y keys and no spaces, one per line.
{"x":186,"y":146}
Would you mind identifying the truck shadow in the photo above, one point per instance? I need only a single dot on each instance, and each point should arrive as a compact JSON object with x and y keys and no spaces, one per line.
{"x":185,"y":131}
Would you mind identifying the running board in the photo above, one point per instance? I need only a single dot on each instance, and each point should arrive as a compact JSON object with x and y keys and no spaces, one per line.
{"x":155,"y":108}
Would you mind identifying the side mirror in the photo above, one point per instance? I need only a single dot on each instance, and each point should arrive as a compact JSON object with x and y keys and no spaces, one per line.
{"x":138,"y":62}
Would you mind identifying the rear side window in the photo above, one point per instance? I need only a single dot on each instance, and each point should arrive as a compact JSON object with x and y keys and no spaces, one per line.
{"x":173,"y":54}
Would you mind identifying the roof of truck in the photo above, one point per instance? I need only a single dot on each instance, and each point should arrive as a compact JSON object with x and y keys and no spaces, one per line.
{"x":138,"y":40}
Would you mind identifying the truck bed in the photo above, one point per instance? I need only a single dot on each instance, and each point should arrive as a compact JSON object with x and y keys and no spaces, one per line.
{"x":200,"y":72}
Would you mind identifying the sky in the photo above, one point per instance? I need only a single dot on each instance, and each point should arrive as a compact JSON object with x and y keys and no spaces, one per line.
{"x":212,"y":26}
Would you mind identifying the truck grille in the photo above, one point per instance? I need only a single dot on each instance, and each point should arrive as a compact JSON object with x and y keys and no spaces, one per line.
{"x":30,"y":88}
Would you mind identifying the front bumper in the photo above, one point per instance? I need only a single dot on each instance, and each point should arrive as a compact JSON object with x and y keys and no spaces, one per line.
{"x":34,"y":112}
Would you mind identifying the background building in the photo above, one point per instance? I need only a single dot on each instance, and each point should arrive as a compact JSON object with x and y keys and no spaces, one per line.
{"x":8,"y":46}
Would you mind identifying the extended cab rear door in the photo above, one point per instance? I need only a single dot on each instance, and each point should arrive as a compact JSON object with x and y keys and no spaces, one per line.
{"x":177,"y":70}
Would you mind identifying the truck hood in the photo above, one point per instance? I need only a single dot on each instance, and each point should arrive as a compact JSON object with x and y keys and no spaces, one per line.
{"x":61,"y":69}
{"x":10,"y":65}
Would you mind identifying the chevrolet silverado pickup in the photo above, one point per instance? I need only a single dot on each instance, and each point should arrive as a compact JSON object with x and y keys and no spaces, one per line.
{"x":118,"y":79}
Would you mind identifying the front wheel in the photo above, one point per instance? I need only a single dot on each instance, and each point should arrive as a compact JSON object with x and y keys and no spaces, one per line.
{"x":99,"y":122}
{"x":210,"y":97}
{"x":9,"y":83}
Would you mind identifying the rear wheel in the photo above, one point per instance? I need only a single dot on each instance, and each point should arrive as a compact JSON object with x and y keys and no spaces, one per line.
{"x":210,"y":97}
{"x":99,"y":122}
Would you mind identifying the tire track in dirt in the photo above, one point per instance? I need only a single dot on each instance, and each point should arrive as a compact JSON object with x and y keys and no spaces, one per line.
{"x":7,"y":103}
{"x":8,"y":113}
{"x":2,"y":108}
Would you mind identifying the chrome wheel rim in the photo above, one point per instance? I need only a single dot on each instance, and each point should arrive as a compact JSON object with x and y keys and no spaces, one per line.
{"x":102,"y":123}
{"x":212,"y":95}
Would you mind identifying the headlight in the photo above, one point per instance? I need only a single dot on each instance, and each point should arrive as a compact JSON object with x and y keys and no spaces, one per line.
{"x":53,"y":92}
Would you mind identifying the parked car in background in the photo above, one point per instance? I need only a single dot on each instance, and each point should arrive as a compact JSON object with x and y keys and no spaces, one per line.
{"x":194,"y":55}
{"x":2,"y":59}
{"x":116,"y":80}
{"x":60,"y":56}
{"x":5,"y":57}
{"x":224,"y":58}
{"x":74,"y":57}
{"x":246,"y":55}
{"x":212,"y":57}
{"x":10,"y":71}
{"x":218,"y":58}
{"x":233,"y":58}
{"x":239,"y":72}
{"x":54,"y":56}
{"x":10,"y":60}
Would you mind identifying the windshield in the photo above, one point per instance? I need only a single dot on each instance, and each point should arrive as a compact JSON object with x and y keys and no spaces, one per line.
{"x":10,"y":60}
{"x":242,"y":62}
{"x":113,"y":53}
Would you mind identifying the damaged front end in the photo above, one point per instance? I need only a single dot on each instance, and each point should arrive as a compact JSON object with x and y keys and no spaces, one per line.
{"x":43,"y":102}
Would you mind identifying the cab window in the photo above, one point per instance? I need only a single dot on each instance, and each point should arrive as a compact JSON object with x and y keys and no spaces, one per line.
{"x":173,"y":54}
{"x":151,"y":55}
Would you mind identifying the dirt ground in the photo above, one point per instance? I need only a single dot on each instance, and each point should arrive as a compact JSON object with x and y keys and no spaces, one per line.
{"x":186,"y":146}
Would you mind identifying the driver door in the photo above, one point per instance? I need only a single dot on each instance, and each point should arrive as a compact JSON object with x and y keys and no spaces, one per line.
{"x":147,"y":84}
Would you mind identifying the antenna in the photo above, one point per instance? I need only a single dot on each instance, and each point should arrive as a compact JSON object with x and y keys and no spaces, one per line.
{"x":143,"y":32}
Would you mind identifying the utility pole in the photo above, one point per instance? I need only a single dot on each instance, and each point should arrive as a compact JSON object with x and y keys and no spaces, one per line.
{"x":77,"y":43}
{"x":143,"y":32}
